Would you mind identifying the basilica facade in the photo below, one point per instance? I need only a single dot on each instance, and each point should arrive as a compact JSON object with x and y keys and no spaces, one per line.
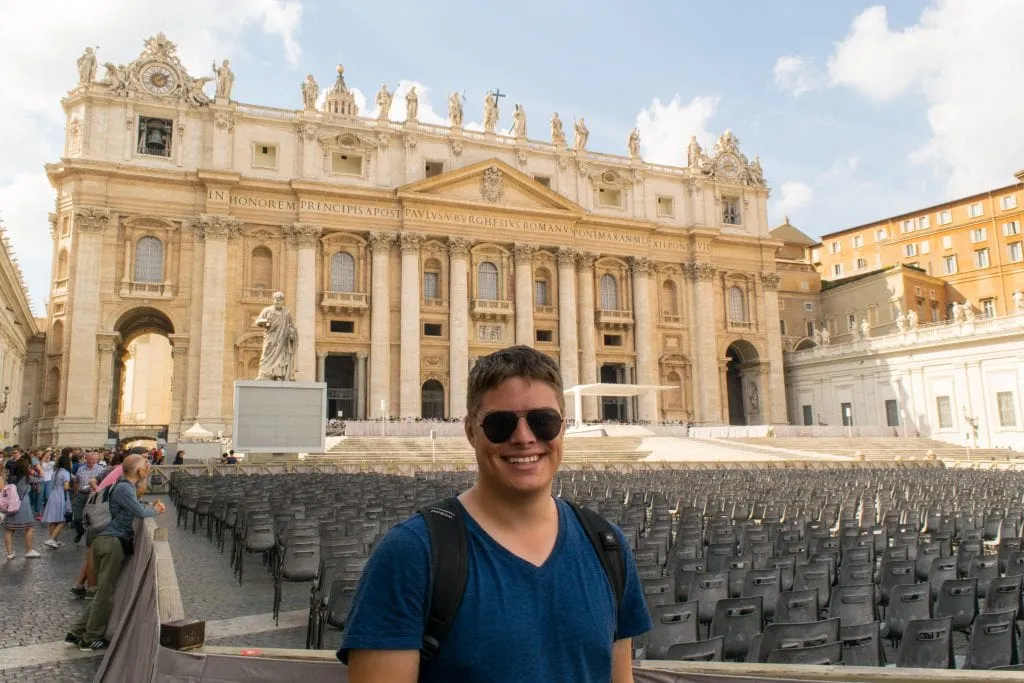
{"x":405,"y":251}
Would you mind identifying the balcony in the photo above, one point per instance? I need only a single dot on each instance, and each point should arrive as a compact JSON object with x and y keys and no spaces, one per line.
{"x":260,"y":295}
{"x":671,"y":320}
{"x":147,"y":290}
{"x":434,"y":304}
{"x":343,"y":302}
{"x":539,"y":309}
{"x":491,"y":309}
{"x":614,"y":320}
{"x":742,"y":325}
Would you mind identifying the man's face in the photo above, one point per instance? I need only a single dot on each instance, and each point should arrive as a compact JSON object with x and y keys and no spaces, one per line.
{"x":495,"y":460}
{"x":91,"y":459}
{"x":278,"y":302}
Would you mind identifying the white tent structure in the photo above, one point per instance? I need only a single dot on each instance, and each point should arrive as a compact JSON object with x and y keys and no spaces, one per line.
{"x":618,"y":390}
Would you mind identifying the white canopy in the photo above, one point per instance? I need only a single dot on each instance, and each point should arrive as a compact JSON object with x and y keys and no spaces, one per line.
{"x":197,"y":433}
{"x":581,"y":390}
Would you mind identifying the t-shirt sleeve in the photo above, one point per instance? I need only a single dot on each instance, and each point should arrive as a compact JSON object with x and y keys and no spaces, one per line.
{"x":388,"y":609}
{"x":634,"y":619}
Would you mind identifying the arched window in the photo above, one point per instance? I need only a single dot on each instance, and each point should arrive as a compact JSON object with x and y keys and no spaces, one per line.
{"x":669,"y":298}
{"x":62,"y":265}
{"x":343,"y":272}
{"x":737,"y":306}
{"x":149,"y":260}
{"x":609,"y":293}
{"x":487,"y":281}
{"x":261,"y":275}
{"x":542,"y":288}
{"x":56,"y":337}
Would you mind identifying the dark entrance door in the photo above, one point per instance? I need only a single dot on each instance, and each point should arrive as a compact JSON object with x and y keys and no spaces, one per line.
{"x":432,"y":400}
{"x":613,"y":408}
{"x":340,"y":375}
{"x":734,"y":387}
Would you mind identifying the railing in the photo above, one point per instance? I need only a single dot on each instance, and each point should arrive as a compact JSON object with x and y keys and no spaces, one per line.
{"x":667,"y":319}
{"x":544,"y":310}
{"x":613,"y":318}
{"x":270,"y":112}
{"x":148,"y":290}
{"x":741,"y":325}
{"x":343,"y":300}
{"x":256,"y":294}
{"x":433,"y":302}
{"x":492,"y":307}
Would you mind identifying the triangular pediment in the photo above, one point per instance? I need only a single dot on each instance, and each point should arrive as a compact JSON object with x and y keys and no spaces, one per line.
{"x":490,"y":183}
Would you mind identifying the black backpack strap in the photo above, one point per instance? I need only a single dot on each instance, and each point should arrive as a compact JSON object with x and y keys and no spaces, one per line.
{"x":449,"y":567}
{"x":606,"y":544}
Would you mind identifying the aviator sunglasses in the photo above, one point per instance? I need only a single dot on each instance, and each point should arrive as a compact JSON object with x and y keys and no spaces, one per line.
{"x":499,"y":426}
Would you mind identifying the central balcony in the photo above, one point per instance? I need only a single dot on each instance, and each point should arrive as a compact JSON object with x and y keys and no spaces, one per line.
{"x":614,"y":320}
{"x":343,"y":302}
{"x":147,"y":290}
{"x":491,"y":309}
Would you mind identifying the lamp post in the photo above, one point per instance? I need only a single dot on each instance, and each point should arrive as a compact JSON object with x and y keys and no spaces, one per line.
{"x":24,"y":417}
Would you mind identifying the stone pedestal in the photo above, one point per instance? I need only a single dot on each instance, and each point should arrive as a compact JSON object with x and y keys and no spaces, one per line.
{"x":280,"y":417}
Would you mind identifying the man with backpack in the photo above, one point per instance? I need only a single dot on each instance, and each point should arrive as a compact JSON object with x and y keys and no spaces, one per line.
{"x":505,"y":582}
{"x":111,"y":547}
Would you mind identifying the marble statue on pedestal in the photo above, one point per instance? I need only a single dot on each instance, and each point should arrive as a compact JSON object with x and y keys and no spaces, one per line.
{"x":310,"y":91}
{"x":557,"y":133}
{"x":579,"y":143}
{"x":277,"y":363}
{"x":633,"y":143}
{"x":519,"y":122}
{"x":1018,"y":301}
{"x":455,"y":110}
{"x":865,"y":329}
{"x":225,"y":80}
{"x":826,"y":336}
{"x":901,"y":322}
{"x":490,"y":112}
{"x":968,"y":311}
{"x":384,"y":97}
{"x":957,"y":312}
{"x":412,"y":104}
{"x":87,"y":67}
{"x":694,"y":154}
{"x":817,"y":337}
{"x":912,"y":319}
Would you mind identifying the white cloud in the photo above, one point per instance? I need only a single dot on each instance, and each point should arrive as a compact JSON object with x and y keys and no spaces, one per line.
{"x":793,"y":196}
{"x":425,"y":114}
{"x":665,"y":130}
{"x":796,"y":75}
{"x":39,"y":43}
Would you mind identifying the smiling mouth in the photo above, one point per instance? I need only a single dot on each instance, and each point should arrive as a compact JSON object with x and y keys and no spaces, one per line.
{"x":523,"y":460}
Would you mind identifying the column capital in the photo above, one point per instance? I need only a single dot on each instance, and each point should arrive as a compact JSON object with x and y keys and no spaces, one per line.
{"x":214,"y":227}
{"x":700,"y":270}
{"x":321,"y":354}
{"x":303,"y":235}
{"x":567,"y":257}
{"x":381,"y":242}
{"x":641,"y":265}
{"x":523,"y":253}
{"x":108,"y":341}
{"x":770,"y":280}
{"x":362,"y":355}
{"x":458,"y":247}
{"x":91,"y":218}
{"x":410,"y":241}
{"x":586,"y":260}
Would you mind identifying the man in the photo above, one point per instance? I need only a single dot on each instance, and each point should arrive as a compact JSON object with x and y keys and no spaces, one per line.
{"x":113,"y":544}
{"x":537,"y":604}
{"x":87,"y":479}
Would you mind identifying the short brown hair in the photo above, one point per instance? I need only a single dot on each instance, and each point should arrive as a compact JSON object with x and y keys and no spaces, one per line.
{"x":515,"y":361}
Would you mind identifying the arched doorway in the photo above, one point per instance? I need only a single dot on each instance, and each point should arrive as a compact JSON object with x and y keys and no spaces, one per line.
{"x":432,"y":395}
{"x":143,"y":369}
{"x":741,"y":383}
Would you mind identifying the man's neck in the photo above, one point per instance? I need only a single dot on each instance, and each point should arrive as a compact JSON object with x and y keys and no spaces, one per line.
{"x":511,"y":512}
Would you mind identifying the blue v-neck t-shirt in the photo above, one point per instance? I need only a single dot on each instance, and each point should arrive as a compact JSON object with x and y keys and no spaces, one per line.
{"x":517,"y":622}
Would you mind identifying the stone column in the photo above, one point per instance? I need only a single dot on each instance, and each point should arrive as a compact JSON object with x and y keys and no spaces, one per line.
{"x":643,"y":328}
{"x":108,"y":345}
{"x":360,"y":386}
{"x":215,"y":231}
{"x":305,"y":238}
{"x":587,"y":331}
{"x":458,"y":325}
{"x":380,"y":325}
{"x":80,"y":382}
{"x":524,"y":293}
{"x":410,"y":359}
{"x":179,"y":383}
{"x":709,"y":407}
{"x":567,"y":351}
{"x":775,"y":411}
{"x":321,"y":367}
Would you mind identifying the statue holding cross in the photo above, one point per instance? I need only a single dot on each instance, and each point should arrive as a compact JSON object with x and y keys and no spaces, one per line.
{"x":491,"y":111}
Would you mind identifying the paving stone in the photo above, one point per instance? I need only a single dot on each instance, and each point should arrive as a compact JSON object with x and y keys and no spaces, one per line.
{"x":76,"y":671}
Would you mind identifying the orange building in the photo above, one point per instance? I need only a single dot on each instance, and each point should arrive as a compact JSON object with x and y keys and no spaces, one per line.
{"x":973,"y":244}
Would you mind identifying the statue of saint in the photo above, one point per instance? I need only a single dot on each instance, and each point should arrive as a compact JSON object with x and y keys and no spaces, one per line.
{"x":384,"y":97}
{"x":310,"y":91}
{"x":194,"y":94}
{"x":225,"y":79}
{"x":634,"y":143}
{"x":1018,"y":301}
{"x":490,"y":112}
{"x":412,"y":104}
{"x":754,"y":402}
{"x":865,"y":329}
{"x":817,"y":337}
{"x":279,"y":337}
{"x":911,"y":319}
{"x":455,"y":110}
{"x":755,"y":174}
{"x":580,"y":142}
{"x":826,"y":336}
{"x":901,"y":322}
{"x":557,"y":134}
{"x":87,"y":67}
{"x":694,"y":153}
{"x":968,"y":309}
{"x":519,"y":122}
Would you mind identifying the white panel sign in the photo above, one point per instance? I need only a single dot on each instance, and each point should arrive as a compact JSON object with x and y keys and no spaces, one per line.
{"x":280,"y":417}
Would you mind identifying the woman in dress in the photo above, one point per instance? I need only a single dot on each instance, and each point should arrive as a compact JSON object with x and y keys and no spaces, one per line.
{"x":46,"y":462}
{"x":23,"y":519}
{"x":59,"y":504}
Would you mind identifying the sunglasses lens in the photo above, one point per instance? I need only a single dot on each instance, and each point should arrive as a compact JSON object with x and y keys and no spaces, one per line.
{"x":499,"y":426}
{"x":545,"y":423}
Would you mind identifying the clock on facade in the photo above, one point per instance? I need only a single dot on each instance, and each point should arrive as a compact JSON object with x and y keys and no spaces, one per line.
{"x":158,"y":79}
{"x":728,"y":166}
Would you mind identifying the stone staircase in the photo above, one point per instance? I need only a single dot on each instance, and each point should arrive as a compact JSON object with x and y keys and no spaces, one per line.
{"x":877,"y":448}
{"x":453,"y":450}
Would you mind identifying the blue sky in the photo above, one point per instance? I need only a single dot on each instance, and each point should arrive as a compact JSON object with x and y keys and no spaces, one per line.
{"x":857,"y":110}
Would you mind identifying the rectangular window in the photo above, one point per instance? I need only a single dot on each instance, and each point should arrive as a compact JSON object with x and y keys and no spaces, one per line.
{"x":810,"y":328}
{"x":432,"y":330}
{"x":881,"y":234}
{"x":264,"y":156}
{"x":1007,"y":409}
{"x":945,"y":217}
{"x":433,"y":168}
{"x":858,"y":241}
{"x":343,"y":326}
{"x":808,"y":412}
{"x":346,"y":164}
{"x":979,"y":235}
{"x":846,"y":410}
{"x":892,"y":413}
{"x":988,"y":308}
{"x":545,"y":335}
{"x":1013,"y":252}
{"x":1011,"y":228}
{"x":935,"y":312}
{"x":540,"y":293}
{"x":862,"y":263}
{"x":1008,"y":202}
{"x":543,"y":180}
{"x":606,"y":196}
{"x":431,"y":286}
{"x":907,"y":226}
{"x":910,"y":249}
{"x":837,"y":269}
{"x":949,"y":310}
{"x":731,"y":211}
{"x":805,"y":286}
{"x":981,"y":258}
{"x":666,"y":206}
{"x":782,"y":326}
{"x":947,"y":242}
{"x":155,"y":136}
{"x":931,"y":294}
{"x":923,"y":223}
{"x":975,"y":210}
{"x":944,"y":408}
{"x":808,"y":306}
{"x":613,"y":340}
{"x":926,"y":247}
{"x":851,"y":322}
{"x":949,"y":264}
{"x":917,"y":290}
{"x":815,"y":255}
